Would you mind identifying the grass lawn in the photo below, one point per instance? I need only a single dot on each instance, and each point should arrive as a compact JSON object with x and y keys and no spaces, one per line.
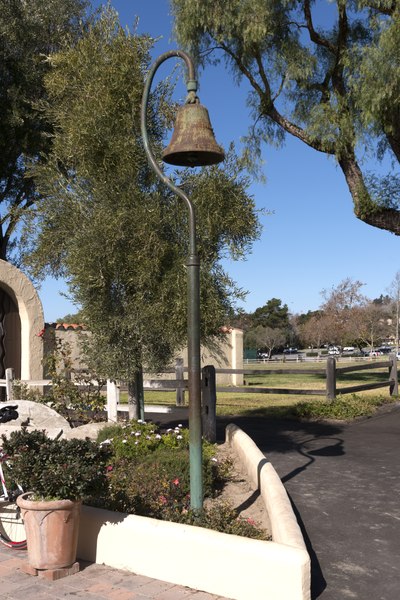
{"x":253,"y":404}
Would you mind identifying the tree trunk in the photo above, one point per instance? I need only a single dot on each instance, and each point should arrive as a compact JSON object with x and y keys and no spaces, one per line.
{"x":364,"y":207}
{"x":136,"y":396}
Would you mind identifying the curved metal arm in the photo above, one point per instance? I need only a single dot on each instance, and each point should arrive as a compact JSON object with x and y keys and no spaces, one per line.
{"x":191,"y":88}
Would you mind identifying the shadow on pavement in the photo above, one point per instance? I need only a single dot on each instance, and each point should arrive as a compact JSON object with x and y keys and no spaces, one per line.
{"x":318,"y":582}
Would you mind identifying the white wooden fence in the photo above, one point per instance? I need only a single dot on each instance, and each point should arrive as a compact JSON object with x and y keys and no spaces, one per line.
{"x":113,"y":389}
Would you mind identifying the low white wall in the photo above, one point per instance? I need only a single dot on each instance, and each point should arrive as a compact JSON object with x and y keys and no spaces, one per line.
{"x":231,"y":566}
{"x":222,"y":564}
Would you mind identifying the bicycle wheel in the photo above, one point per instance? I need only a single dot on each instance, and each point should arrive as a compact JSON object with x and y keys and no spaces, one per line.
{"x":12,"y":530}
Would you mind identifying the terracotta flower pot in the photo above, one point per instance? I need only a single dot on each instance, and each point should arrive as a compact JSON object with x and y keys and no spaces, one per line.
{"x":52,"y":529}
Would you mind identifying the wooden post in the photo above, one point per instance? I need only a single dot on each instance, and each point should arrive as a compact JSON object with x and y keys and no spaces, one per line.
{"x":330,"y":378}
{"x":209,"y":403}
{"x":9,"y":384}
{"x":112,"y":401}
{"x":179,"y":376}
{"x":394,"y":388}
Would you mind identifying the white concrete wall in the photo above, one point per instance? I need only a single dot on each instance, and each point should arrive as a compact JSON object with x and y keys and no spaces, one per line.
{"x":227,"y":353}
{"x":226,"y":565}
{"x":218,"y":563}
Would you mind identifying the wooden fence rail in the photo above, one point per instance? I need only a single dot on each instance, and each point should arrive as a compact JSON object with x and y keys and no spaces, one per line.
{"x":210,"y":390}
{"x":331,"y":373}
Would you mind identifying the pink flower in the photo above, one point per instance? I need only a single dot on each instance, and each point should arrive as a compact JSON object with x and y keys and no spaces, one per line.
{"x":109,"y":468}
{"x":176,"y":481}
{"x":163,"y":500}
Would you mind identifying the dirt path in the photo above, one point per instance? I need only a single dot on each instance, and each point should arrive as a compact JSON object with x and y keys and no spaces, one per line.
{"x":240,"y":494}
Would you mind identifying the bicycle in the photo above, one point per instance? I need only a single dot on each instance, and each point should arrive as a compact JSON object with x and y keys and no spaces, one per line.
{"x":12,"y":530}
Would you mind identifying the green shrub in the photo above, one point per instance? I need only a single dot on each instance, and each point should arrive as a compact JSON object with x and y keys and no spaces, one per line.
{"x":138,"y":438}
{"x":76,"y":395}
{"x":150,"y":486}
{"x":57,"y":469}
{"x":157,"y":484}
{"x":149,"y":471}
{"x":149,"y":475}
{"x":342,"y":408}
{"x":224,"y":518}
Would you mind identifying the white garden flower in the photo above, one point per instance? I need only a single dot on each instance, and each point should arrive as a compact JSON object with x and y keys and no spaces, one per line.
{"x":104,"y":442}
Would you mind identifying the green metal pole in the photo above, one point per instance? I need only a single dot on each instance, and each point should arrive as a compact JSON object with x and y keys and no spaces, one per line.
{"x":193,"y":292}
{"x":194,"y":366}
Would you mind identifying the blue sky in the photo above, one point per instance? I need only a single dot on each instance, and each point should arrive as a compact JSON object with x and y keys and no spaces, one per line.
{"x":312,"y":240}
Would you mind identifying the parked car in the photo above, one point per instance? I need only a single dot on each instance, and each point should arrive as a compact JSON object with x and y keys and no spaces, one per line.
{"x":348,"y":350}
{"x":375,"y":353}
{"x":290,"y":351}
{"x":385,"y":349}
{"x":333,"y":350}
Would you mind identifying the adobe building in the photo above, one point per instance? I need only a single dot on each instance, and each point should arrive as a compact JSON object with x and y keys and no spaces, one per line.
{"x":21,"y":325}
{"x":25,"y":338}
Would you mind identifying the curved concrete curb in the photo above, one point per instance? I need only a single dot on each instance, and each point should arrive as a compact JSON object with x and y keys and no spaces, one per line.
{"x":226,"y":565}
{"x":284,"y":526}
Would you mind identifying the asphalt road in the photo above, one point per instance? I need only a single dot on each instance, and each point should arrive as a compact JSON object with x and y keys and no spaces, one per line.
{"x":344,"y":484}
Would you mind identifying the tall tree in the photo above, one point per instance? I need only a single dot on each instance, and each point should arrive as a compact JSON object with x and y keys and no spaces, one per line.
{"x":109,"y":225}
{"x":370,"y":324}
{"x":327,"y":73}
{"x":339,"y":309}
{"x":313,"y":331}
{"x":28,"y":32}
{"x":266,"y":338}
{"x":273,"y":314}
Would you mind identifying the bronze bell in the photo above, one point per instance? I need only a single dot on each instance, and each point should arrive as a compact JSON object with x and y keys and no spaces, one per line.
{"x":193,"y":143}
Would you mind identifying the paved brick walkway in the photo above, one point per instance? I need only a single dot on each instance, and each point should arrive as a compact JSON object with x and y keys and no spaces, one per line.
{"x":93,"y":582}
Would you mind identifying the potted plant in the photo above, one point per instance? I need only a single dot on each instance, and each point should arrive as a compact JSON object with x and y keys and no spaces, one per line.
{"x":59,"y":475}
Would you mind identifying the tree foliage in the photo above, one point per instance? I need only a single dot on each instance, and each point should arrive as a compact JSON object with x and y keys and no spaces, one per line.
{"x":28,"y":32}
{"x":346,"y":317}
{"x":266,"y":339}
{"x":273,"y":314}
{"x":326,"y":73}
{"x":109,"y":226}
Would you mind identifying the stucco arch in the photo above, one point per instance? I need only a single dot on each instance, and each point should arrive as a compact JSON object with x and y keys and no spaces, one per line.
{"x":20,"y":288}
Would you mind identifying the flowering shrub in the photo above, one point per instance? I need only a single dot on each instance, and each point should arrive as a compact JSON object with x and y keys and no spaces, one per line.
{"x":149,"y":475}
{"x":153,"y":486}
{"x":223,"y":517}
{"x":138,"y":438}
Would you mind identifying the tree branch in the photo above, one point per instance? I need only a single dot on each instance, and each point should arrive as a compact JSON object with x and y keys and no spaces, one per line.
{"x":314,"y":35}
{"x":268,"y":109}
{"x":364,"y":207}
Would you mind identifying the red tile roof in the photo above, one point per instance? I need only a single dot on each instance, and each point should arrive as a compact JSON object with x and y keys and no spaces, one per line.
{"x":66,"y":326}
